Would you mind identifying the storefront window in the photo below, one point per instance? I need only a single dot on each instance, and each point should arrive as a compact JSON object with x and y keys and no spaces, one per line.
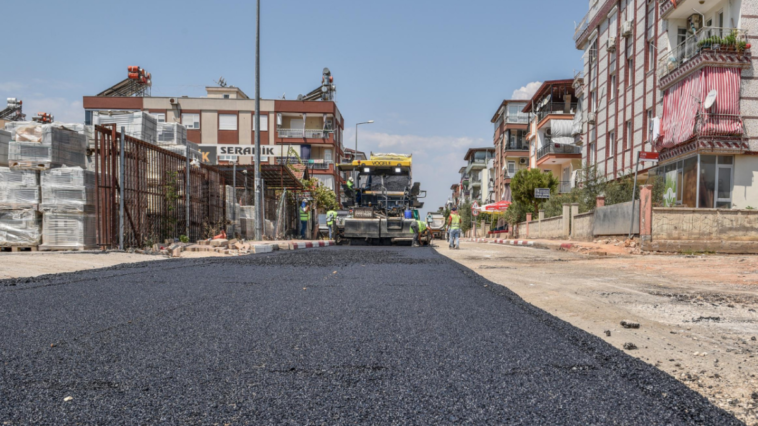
{"x":711,"y":188}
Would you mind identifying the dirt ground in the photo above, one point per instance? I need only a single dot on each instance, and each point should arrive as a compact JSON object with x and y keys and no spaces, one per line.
{"x":697,"y":314}
{"x":32,"y":264}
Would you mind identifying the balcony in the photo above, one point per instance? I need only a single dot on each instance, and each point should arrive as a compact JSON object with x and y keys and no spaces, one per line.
{"x":561,"y":149}
{"x":556,"y":108}
{"x":307,"y":133}
{"x":710,"y":46}
{"x":476,"y":165}
{"x":521,"y":145}
{"x":518,"y":119}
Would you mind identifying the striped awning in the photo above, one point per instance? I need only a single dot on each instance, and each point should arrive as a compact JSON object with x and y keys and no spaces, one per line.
{"x":682,"y":102}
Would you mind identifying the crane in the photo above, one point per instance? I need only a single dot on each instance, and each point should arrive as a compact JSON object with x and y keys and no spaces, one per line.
{"x":13,"y":111}
{"x":137,"y":83}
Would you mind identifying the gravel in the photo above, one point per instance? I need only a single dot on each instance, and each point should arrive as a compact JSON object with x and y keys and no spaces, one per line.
{"x":339,"y":335}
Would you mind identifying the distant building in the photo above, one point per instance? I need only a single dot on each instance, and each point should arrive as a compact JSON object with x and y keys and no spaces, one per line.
{"x":477,"y":182}
{"x":310,"y":132}
{"x":511,"y":146}
{"x":552,"y":147}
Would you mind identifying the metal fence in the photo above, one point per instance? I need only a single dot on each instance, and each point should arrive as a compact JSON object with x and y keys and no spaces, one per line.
{"x":155,"y":185}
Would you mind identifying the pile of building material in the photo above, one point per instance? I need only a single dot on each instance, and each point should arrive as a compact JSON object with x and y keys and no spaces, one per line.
{"x":139,"y":125}
{"x":68,"y":203}
{"x":230,"y":247}
{"x":5,"y":139}
{"x":20,"y":223}
{"x":173,"y":137}
{"x":41,"y":147}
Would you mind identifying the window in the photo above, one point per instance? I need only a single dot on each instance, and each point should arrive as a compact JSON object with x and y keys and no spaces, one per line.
{"x":612,"y":143}
{"x":649,"y":117}
{"x":191,"y":121}
{"x":87,"y":118}
{"x":630,"y":72}
{"x":628,"y":142}
{"x":226,"y":96}
{"x":591,"y":155}
{"x":264,"y":123}
{"x":230,"y":158}
{"x":161,"y":117}
{"x":651,"y":53}
{"x":612,"y":62}
{"x":227,"y":121}
{"x":511,"y":168}
{"x":612,"y":89}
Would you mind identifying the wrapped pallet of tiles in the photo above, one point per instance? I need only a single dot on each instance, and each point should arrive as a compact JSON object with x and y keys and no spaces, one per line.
{"x":68,"y":190}
{"x":41,"y":147}
{"x":20,"y":228}
{"x":19,"y":189}
{"x":190,"y":149}
{"x":68,"y":231}
{"x":139,"y":125}
{"x":68,"y":203}
{"x":20,"y":224}
{"x":247,"y":222}
{"x":171,"y":134}
{"x":5,"y":139}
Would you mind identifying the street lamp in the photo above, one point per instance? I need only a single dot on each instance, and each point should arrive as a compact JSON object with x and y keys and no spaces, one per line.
{"x":356,"y":135}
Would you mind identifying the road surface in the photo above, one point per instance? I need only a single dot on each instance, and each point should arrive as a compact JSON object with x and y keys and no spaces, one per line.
{"x":340,"y":335}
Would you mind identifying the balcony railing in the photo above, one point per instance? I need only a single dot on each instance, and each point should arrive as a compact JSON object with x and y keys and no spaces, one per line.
{"x":722,"y":40}
{"x":307,"y":133}
{"x":518,"y":119}
{"x":556,"y":108}
{"x":558,"y":148}
{"x":517,"y":146}
{"x":311,"y":164}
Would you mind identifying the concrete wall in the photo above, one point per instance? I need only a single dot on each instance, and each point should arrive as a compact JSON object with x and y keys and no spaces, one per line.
{"x":705,"y":224}
{"x":615,"y":219}
{"x":549,"y":228}
{"x":582,"y":226}
{"x":745,"y":191}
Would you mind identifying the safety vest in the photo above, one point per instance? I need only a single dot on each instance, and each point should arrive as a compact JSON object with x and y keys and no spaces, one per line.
{"x":421,"y":226}
{"x":304,"y":215}
{"x":330,"y":216}
{"x":455,"y":223}
{"x":349,"y":185}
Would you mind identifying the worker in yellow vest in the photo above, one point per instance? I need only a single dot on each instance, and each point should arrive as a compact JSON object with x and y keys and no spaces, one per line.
{"x":418,"y":227}
{"x":454,"y":228}
{"x":331,"y":219}
{"x":305,"y":217}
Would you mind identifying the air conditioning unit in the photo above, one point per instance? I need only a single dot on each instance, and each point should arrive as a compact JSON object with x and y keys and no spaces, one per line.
{"x":611,"y":47}
{"x":522,"y":160}
{"x":591,"y":117}
{"x":626,"y":29}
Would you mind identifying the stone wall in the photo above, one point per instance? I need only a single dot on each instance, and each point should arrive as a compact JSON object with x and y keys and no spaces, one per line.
{"x":582,"y":226}
{"x":549,"y":228}
{"x":704,"y":224}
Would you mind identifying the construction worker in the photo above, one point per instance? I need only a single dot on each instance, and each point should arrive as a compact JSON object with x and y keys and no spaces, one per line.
{"x":350,"y":183}
{"x":331,"y":219}
{"x":418,"y":227}
{"x":305,"y":216}
{"x":454,"y":225}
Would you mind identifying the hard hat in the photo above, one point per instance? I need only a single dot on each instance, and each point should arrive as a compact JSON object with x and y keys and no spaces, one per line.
{"x":350,"y":179}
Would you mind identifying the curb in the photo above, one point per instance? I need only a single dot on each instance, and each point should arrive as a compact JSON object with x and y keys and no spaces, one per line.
{"x":520,"y":243}
{"x":310,"y":244}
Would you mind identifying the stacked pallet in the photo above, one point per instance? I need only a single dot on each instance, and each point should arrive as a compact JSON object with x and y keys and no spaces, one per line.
{"x":35,"y":146}
{"x":139,"y":125}
{"x":68,"y":204}
{"x":20,"y":223}
{"x":173,"y":137}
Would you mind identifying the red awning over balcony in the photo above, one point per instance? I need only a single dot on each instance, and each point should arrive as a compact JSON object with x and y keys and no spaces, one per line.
{"x":683,"y":101}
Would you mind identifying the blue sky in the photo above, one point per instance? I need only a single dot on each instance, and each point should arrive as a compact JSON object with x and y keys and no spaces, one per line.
{"x":430,"y":73}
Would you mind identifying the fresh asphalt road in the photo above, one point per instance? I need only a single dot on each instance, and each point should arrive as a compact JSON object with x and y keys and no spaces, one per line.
{"x":340,"y":335}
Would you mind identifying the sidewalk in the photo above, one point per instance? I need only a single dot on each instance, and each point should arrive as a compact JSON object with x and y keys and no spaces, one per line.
{"x":608,"y":246}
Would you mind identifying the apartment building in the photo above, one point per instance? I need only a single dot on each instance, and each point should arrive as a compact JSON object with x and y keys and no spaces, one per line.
{"x":708,"y":139}
{"x":552,"y":147}
{"x":476,"y":177}
{"x":618,"y":87}
{"x":511,"y":146}
{"x":455,"y":198}
{"x":294,"y":131}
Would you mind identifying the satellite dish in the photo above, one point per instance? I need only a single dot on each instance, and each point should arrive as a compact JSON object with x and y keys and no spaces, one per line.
{"x":710,"y":99}
{"x":299,"y":97}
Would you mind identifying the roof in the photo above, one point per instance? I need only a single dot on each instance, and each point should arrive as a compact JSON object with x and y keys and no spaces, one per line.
{"x":473,"y":150}
{"x":275,"y":176}
{"x":504,"y":103}
{"x":463,"y":169}
{"x":545,"y":86}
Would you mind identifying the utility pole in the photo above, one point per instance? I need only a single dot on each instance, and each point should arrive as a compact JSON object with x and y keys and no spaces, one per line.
{"x":258,"y":195}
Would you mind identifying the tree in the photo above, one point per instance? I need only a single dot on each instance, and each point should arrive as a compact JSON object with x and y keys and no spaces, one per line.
{"x":525,"y":182}
{"x":325,"y":197}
